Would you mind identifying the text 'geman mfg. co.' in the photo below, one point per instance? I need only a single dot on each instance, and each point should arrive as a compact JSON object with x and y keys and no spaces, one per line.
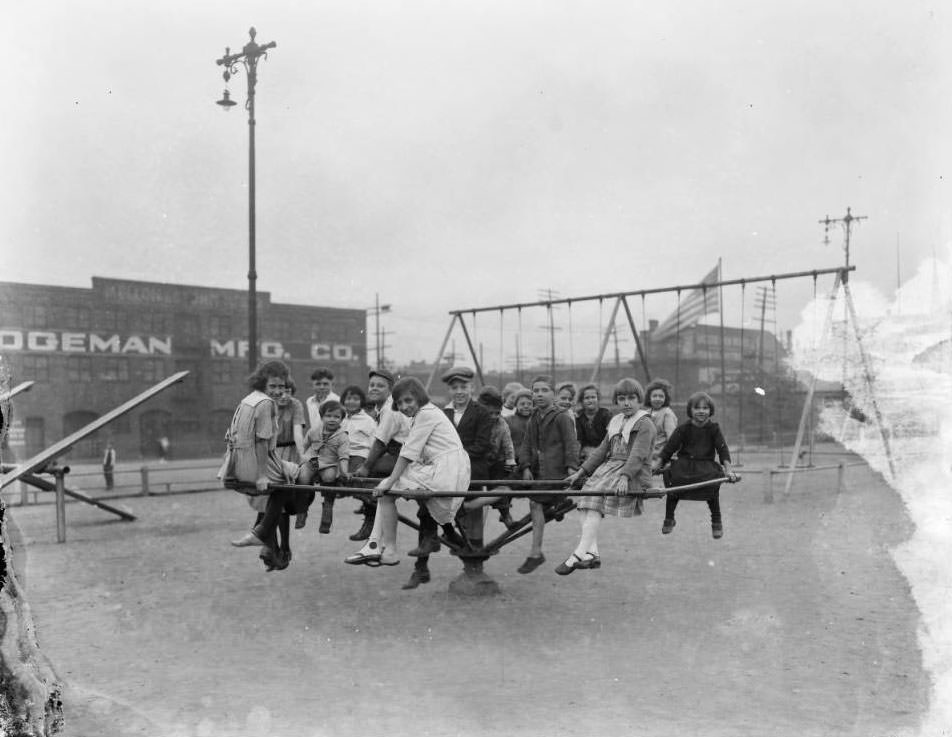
{"x":49,"y":341}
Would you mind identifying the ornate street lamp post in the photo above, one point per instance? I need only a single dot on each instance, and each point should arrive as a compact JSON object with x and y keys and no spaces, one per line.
{"x":249,"y":57}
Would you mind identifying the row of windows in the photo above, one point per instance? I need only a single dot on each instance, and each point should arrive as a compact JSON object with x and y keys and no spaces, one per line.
{"x":84,"y":369}
{"x":184,"y":326}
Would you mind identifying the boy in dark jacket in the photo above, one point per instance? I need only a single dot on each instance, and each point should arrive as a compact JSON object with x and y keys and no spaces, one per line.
{"x":549,"y":451}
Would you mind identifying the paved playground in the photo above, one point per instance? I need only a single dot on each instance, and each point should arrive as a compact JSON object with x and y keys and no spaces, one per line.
{"x":797,"y":622}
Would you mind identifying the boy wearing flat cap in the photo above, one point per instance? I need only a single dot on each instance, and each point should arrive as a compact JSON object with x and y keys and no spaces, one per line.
{"x":473,"y":422}
{"x":474,"y":426}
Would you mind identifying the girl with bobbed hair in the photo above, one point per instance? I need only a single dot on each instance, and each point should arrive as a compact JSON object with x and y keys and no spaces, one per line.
{"x":509,"y":392}
{"x":695,"y":444}
{"x":591,"y":422}
{"x":432,"y":459}
{"x":258,"y":381}
{"x":621,"y":463}
{"x":658,"y":404}
{"x":251,"y":458}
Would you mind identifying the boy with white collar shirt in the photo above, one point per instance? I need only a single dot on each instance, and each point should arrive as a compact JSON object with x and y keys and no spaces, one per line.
{"x":322,"y":382}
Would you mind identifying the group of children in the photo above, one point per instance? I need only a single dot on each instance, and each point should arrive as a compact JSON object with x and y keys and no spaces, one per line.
{"x":543,"y":432}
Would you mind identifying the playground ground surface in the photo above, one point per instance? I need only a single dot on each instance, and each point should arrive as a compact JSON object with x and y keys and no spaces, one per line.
{"x":797,"y":622}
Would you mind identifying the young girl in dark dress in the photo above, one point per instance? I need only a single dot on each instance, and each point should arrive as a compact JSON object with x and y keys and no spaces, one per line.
{"x":696,"y":442}
{"x":591,"y":422}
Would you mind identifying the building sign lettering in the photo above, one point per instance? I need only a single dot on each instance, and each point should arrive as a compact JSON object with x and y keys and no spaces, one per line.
{"x":272,"y":349}
{"x":51,"y":341}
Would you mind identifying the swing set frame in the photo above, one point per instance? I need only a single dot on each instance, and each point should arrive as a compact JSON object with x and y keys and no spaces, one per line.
{"x":620,"y":301}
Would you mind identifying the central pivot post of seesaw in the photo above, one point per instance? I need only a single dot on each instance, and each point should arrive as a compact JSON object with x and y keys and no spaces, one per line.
{"x":473,"y":581}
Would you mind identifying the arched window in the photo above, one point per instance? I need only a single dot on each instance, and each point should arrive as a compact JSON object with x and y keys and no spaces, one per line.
{"x":92,"y":446}
{"x":153,"y":425}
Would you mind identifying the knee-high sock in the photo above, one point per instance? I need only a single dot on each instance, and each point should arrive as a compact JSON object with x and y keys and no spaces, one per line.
{"x":377,"y":531}
{"x":537,"y":511}
{"x":715,"y":506}
{"x":385,"y":523}
{"x":589,"y":538}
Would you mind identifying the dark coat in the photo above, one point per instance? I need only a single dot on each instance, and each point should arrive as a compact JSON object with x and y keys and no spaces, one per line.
{"x":550,"y":447}
{"x":475,"y":432}
{"x":591,"y":434}
{"x":696,"y":448}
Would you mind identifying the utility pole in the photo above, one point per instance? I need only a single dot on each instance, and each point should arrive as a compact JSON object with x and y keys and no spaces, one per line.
{"x":847,"y":222}
{"x":376,"y":311}
{"x":379,"y":343}
{"x":384,"y":346}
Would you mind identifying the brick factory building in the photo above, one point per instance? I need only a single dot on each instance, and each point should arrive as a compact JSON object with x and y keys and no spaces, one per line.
{"x":89,"y":350}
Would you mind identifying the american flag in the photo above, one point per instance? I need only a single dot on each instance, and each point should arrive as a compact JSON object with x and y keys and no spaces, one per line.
{"x":693,"y":307}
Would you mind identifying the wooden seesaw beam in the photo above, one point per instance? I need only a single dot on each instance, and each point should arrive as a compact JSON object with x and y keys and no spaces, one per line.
{"x":22,"y":387}
{"x":44,"y":460}
{"x":45,"y":485}
{"x":37,"y":462}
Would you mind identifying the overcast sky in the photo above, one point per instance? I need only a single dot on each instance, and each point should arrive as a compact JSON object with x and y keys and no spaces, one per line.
{"x":451,"y":155}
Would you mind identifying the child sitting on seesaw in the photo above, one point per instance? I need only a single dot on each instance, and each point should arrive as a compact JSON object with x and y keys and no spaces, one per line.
{"x":621,"y":463}
{"x":326,"y":458}
{"x":549,"y":451}
{"x":696,"y":442}
{"x":502,"y":457}
{"x":431,"y":459}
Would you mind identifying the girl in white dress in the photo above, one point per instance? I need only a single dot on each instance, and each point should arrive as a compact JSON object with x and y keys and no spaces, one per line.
{"x":432,"y":458}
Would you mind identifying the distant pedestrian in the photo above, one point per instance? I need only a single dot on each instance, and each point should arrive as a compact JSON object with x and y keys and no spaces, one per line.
{"x":109,"y":465}
{"x":163,"y":449}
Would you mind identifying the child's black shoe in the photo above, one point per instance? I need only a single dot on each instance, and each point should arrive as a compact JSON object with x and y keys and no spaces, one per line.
{"x":531,"y":563}
{"x":667,"y":526}
{"x":717,"y":530}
